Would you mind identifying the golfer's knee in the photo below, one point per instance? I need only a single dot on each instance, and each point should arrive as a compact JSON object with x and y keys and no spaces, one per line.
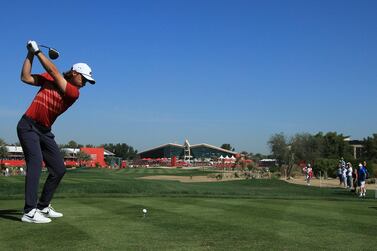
{"x":59,"y":171}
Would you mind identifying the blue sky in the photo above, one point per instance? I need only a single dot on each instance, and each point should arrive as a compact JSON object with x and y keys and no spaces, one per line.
{"x":224,"y":71}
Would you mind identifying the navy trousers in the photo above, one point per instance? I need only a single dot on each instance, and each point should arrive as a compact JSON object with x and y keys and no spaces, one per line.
{"x":38,"y":145}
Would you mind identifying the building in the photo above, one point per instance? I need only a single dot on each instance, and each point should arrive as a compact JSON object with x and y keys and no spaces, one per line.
{"x":15,"y":156}
{"x":187,"y":152}
{"x":357,"y":146}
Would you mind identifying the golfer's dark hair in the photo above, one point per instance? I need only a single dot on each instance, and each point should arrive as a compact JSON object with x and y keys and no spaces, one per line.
{"x":68,"y":75}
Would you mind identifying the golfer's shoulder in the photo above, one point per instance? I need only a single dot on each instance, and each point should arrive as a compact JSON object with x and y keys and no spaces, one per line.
{"x":45,"y":76}
{"x":72,"y":91}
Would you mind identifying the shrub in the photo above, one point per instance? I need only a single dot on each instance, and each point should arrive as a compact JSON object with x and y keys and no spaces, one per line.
{"x":372,"y":170}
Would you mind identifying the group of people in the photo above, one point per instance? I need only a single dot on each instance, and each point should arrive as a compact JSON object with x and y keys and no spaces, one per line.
{"x":353,"y":178}
{"x":350,"y":178}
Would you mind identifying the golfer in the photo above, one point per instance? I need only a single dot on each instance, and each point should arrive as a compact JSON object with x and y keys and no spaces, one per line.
{"x":56,"y":94}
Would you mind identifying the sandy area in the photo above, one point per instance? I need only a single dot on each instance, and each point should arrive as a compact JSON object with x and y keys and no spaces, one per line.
{"x":322,"y":183}
{"x":298,"y":180}
{"x":188,"y":179}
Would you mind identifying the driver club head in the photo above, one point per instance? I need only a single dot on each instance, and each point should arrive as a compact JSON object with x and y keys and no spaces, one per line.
{"x":53,"y":53}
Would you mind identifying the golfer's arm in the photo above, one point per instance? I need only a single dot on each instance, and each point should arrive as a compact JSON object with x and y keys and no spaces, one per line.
{"x":53,"y":71}
{"x":26,"y":76}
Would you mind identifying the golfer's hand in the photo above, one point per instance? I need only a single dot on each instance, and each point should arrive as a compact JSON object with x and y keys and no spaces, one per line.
{"x":32,"y":46}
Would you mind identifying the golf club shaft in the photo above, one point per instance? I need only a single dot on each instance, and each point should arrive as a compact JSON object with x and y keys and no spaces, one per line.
{"x":44,"y":46}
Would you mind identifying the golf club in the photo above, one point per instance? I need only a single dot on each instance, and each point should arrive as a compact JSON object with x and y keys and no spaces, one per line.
{"x":52,"y":53}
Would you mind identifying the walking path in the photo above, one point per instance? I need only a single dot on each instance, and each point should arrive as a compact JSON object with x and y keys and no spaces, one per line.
{"x":300,"y":180}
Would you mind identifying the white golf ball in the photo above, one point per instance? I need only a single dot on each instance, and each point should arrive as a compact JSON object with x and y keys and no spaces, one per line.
{"x":145,"y":211}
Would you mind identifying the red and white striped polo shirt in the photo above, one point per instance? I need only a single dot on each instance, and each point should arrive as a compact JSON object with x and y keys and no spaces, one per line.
{"x":49,"y":102}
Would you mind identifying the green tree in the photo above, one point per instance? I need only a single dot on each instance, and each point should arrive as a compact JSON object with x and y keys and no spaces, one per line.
{"x":3,"y":150}
{"x":82,"y":157}
{"x":280,"y":151}
{"x":227,"y":146}
{"x":326,"y":166}
{"x":305,"y":147}
{"x":73,"y":144}
{"x":334,"y":146}
{"x":121,"y":150}
{"x":370,"y":148}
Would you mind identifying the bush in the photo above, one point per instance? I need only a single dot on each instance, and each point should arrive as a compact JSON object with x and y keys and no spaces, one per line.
{"x":328,"y":167}
{"x":273,"y":168}
{"x":275,"y":176}
{"x":251,"y":166}
{"x":372,"y":170}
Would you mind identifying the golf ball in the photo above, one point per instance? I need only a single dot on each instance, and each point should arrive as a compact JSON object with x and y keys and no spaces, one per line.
{"x":145,"y":211}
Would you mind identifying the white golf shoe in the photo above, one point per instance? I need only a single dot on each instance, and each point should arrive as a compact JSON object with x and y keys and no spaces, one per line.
{"x":35,"y":216}
{"x":50,"y":212}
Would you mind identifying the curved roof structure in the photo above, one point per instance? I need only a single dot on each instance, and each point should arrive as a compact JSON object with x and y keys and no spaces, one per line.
{"x":198,"y":151}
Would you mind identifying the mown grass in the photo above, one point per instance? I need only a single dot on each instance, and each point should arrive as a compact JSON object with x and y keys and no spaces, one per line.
{"x":102,"y":211}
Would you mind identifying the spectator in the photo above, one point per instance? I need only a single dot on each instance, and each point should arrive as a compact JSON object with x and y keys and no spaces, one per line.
{"x":349,"y":175}
{"x":342,"y":162}
{"x":363,"y":174}
{"x":309,"y":174}
{"x":305,"y":172}
{"x":339,"y":173}
{"x":355,"y":180}
{"x":344,"y":176}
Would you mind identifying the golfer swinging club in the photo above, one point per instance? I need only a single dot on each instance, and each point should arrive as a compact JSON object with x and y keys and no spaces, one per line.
{"x":56,"y":94}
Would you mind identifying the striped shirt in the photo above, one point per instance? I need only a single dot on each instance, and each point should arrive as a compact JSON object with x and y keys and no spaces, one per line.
{"x":50,"y":102}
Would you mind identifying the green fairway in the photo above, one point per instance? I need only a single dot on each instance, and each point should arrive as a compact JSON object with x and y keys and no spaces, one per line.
{"x":103,"y":211}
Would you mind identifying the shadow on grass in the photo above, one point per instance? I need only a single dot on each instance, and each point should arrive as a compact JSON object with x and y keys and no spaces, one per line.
{"x":10,"y":214}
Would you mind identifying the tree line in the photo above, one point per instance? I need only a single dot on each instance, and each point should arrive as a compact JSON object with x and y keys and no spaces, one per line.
{"x":322,"y":150}
{"x":121,"y":150}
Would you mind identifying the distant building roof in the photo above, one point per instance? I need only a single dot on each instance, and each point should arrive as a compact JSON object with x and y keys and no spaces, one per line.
{"x":108,"y":153}
{"x":355,"y":142}
{"x":186,"y":150}
{"x":71,"y":150}
{"x":214,"y":147}
{"x":161,"y":146}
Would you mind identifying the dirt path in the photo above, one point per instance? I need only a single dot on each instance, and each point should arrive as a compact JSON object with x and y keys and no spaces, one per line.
{"x":323,"y":183}
{"x":298,"y":180}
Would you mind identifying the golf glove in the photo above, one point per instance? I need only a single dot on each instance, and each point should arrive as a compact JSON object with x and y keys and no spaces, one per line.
{"x":32,"y":46}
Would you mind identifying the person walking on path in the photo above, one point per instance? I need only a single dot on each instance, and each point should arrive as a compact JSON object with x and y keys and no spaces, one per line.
{"x":309,"y":174}
{"x":56,"y":94}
